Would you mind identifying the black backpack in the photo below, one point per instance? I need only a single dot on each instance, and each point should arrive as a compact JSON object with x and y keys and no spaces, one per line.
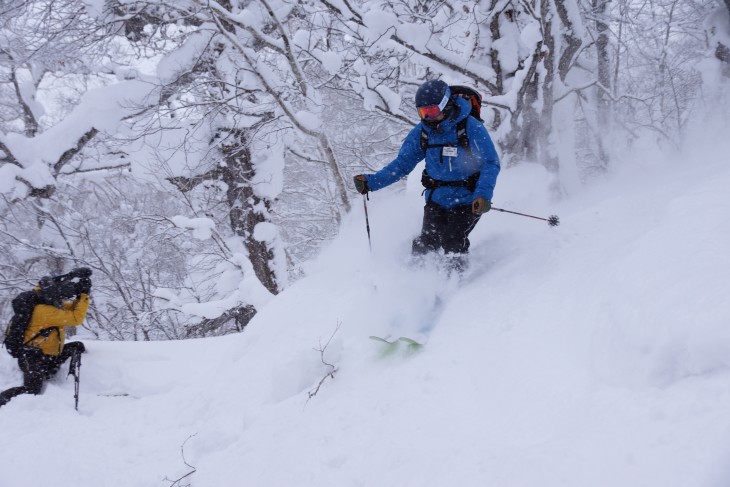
{"x":23,"y":306}
{"x":475,"y":99}
{"x":472,"y":96}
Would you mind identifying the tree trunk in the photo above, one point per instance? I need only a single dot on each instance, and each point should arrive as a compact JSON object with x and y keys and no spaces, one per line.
{"x":247,"y":209}
{"x":548,"y":152}
{"x":521,"y":143}
{"x":722,"y":52}
{"x":496,"y":64}
{"x":603,"y":94}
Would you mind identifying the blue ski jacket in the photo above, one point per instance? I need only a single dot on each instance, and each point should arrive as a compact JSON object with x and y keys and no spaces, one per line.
{"x":479,"y":157}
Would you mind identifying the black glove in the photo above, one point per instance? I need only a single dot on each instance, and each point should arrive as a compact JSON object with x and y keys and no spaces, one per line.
{"x":361,"y":184}
{"x":83,"y":286}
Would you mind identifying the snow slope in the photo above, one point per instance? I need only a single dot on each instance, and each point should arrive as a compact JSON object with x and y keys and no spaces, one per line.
{"x":596,"y":353}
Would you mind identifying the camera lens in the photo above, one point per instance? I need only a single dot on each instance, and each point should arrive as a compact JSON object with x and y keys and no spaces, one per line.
{"x":81,"y":272}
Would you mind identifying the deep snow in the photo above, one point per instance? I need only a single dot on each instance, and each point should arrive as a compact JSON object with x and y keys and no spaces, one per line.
{"x":596,"y":353}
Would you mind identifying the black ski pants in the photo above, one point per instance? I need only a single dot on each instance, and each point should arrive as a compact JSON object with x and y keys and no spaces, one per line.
{"x":37,"y":367}
{"x":445,"y":228}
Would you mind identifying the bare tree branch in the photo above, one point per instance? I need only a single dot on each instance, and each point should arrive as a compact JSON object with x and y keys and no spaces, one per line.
{"x":70,"y":153}
{"x":9,"y":157}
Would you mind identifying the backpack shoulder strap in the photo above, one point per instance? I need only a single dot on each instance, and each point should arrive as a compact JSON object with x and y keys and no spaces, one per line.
{"x":424,"y":139}
{"x":462,"y":138}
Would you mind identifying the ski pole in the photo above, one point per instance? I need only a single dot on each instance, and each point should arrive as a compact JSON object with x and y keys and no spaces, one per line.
{"x":367,"y":220}
{"x":74,"y":369}
{"x":77,"y":384}
{"x":552,"y":220}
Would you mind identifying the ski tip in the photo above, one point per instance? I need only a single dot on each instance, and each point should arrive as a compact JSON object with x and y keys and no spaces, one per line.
{"x":412,"y":345}
{"x":386,"y":348}
{"x":380,"y":339}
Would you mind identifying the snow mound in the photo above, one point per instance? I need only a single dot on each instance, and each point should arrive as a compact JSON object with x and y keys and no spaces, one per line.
{"x":595,"y":353}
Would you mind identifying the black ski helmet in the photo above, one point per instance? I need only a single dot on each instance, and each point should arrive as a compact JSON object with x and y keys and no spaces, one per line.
{"x":432,"y":92}
{"x":433,"y":102}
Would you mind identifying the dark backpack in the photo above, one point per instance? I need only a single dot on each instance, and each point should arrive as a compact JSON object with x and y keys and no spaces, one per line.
{"x":462,"y":139}
{"x":23,"y":306}
{"x":472,"y":96}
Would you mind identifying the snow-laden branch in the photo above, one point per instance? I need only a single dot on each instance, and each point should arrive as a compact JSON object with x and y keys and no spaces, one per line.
{"x":42,"y":158}
{"x":70,"y":153}
{"x":443,"y":58}
{"x":414,"y":39}
{"x":304,"y":121}
{"x":7,"y":155}
{"x":246,"y":19}
{"x":31,"y":124}
{"x":289,"y":52}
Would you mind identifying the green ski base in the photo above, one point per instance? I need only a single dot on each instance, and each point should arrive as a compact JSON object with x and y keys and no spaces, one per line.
{"x":390,"y":347}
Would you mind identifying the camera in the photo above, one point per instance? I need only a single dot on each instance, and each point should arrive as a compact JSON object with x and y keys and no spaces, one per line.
{"x":80,"y":272}
{"x":56,"y":289}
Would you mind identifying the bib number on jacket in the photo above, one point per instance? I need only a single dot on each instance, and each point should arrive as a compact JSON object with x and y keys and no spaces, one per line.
{"x":449,"y":151}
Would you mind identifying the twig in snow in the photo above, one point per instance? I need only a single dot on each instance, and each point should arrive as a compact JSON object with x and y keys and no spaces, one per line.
{"x":178,"y":482}
{"x":330,"y":373}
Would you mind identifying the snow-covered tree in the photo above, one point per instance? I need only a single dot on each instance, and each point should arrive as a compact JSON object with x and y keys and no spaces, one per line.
{"x":194,"y":153}
{"x":720,"y":34}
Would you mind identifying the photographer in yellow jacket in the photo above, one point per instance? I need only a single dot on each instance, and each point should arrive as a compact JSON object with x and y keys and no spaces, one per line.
{"x":36,"y":334}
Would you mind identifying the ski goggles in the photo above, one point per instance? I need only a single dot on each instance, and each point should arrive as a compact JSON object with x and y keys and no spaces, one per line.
{"x":433,"y":111}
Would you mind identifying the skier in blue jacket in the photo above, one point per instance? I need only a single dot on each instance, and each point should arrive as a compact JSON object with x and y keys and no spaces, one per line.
{"x":461,"y":170}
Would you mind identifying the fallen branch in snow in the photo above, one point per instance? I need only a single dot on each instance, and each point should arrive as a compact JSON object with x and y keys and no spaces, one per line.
{"x":178,"y":482}
{"x":330,"y":373}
